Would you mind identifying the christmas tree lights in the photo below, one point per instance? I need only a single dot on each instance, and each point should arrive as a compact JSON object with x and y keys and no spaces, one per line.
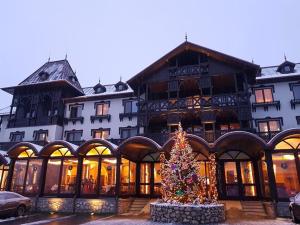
{"x":181,"y":180}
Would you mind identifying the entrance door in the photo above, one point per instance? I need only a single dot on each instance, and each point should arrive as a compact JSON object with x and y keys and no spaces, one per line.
{"x":239,"y":180}
{"x":145,"y":179}
{"x":150,"y":180}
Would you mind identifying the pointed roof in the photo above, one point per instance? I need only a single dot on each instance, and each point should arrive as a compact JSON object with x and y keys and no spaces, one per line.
{"x":186,"y":45}
{"x":286,"y":63}
{"x":54,"y":71}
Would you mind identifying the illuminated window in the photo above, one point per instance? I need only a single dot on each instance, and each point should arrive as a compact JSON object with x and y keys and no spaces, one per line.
{"x":101,"y":133}
{"x":285,"y":156}
{"x":98,"y":172}
{"x":26,"y":173}
{"x":269,"y":126}
{"x":264,"y":95}
{"x":102,"y":109}
{"x":61,"y":172}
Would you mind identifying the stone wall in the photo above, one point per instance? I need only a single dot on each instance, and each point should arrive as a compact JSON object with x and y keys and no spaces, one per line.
{"x":187,"y":214}
{"x":124,"y":205}
{"x":98,"y":206}
{"x":283,"y":209}
{"x":71,"y":205}
{"x":65,"y":205}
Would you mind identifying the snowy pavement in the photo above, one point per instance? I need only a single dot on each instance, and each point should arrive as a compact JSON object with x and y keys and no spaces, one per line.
{"x":114,"y":220}
{"x":85,"y":219}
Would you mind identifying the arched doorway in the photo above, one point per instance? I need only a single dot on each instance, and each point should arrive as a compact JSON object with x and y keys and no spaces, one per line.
{"x":239,"y":167}
{"x":139,"y":171}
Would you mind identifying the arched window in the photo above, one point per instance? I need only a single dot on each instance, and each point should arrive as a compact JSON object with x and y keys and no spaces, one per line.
{"x":285,"y":156}
{"x":98,"y":172}
{"x":61,"y":172}
{"x":26,"y":173}
{"x":204,"y":168}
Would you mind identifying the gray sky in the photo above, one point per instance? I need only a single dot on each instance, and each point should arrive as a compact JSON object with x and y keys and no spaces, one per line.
{"x":109,"y":39}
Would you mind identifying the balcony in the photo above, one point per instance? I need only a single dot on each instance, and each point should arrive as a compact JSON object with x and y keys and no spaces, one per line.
{"x":195,"y":103}
{"x":74,"y":120}
{"x":209,"y":136}
{"x":189,"y":70}
{"x":267,"y":135}
{"x":295,"y":102}
{"x":266,"y":105}
{"x":100,"y":118}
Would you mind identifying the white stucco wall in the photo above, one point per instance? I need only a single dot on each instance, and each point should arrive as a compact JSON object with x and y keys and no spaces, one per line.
{"x":54,"y":132}
{"x":115,"y":109}
{"x":283,"y":94}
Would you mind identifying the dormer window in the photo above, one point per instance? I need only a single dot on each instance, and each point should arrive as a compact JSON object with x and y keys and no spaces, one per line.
{"x":286,"y":67}
{"x":44,"y":75}
{"x":120,"y":86}
{"x":99,"y":88}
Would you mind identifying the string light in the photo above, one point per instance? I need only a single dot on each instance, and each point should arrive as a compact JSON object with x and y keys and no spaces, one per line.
{"x":181,"y":179}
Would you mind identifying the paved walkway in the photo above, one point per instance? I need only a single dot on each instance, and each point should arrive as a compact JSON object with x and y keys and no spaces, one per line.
{"x":117,"y":220}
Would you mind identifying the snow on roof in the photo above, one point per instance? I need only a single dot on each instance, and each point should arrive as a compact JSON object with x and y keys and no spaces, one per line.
{"x":271,"y":72}
{"x":4,"y":153}
{"x":55,"y":71}
{"x":110,"y":90}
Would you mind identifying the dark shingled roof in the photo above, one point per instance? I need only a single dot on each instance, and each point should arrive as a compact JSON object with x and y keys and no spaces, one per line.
{"x":52,"y":71}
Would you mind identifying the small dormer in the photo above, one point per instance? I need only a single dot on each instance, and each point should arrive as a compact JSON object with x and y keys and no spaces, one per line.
{"x":121,"y":86}
{"x":99,"y":88}
{"x":286,"y":67}
{"x":43,"y":75}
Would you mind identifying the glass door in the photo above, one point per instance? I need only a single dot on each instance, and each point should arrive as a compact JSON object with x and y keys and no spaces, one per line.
{"x":145,"y":179}
{"x":231,"y":180}
{"x":239,"y":180}
{"x":248,"y":181}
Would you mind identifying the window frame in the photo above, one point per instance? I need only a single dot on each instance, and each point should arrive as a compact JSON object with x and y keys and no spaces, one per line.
{"x":12,"y":136}
{"x":36,"y":134}
{"x":68,"y":132}
{"x":129,"y":128}
{"x":93,"y":132}
{"x":292,"y":89}
{"x":263,"y":94}
{"x":77,"y":105}
{"x":62,"y":159}
{"x":102,"y":103}
{"x":268,"y":120}
{"x":99,"y":158}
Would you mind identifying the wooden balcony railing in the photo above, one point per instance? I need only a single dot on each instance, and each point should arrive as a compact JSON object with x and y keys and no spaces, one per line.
{"x":189,"y":70}
{"x":195,"y":102}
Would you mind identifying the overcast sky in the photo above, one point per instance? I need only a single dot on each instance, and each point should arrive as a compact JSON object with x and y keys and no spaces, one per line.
{"x":109,"y":39}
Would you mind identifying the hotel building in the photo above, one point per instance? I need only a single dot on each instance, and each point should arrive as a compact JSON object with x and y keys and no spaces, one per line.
{"x":96,"y":149}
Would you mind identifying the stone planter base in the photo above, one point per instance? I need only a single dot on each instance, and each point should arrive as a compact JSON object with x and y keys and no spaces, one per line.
{"x":187,"y":214}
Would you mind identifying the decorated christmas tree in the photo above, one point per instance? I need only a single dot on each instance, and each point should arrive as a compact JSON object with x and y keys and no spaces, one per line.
{"x":181,"y":180}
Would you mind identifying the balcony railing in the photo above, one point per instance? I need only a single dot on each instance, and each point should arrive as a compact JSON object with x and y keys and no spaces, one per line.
{"x":195,"y":102}
{"x":209,"y":136}
{"x":188,"y":70}
{"x":267,"y":135}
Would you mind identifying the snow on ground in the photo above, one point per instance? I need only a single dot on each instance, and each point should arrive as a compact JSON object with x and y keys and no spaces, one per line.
{"x":136,"y":221}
